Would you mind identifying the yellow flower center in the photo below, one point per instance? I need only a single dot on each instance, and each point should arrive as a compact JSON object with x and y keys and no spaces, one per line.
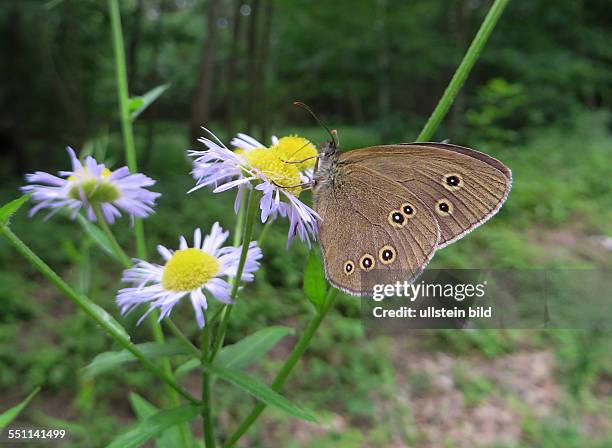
{"x":95,"y":191}
{"x":293,"y":148}
{"x":189,"y":269}
{"x":276,"y":170}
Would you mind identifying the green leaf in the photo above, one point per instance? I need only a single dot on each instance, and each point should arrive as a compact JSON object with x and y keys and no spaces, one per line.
{"x":260,"y":391}
{"x":10,"y":208}
{"x":109,"y":360}
{"x":11,"y":414}
{"x":142,"y":408}
{"x":97,"y":235}
{"x":155,"y":425}
{"x":251,"y":348}
{"x":169,"y":438}
{"x":135,"y":103}
{"x":139,"y":104}
{"x":315,"y":286}
{"x":187,"y":367}
{"x":242,"y":353}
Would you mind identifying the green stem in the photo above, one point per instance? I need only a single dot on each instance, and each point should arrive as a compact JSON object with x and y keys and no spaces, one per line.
{"x":124,"y":113}
{"x":288,"y":366}
{"x":246,"y":240}
{"x":264,"y":232}
{"x":130,"y":156}
{"x":240,"y":221}
{"x":158,"y":334}
{"x":463,"y":70}
{"x":119,"y":252}
{"x":178,"y":333}
{"x":173,"y":398}
{"x":209,"y":435}
{"x":215,"y":316}
{"x":92,"y":311}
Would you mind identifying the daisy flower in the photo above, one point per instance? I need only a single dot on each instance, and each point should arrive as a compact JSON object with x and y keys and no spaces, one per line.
{"x":188,"y":271}
{"x":92,"y":184}
{"x":278,"y":172}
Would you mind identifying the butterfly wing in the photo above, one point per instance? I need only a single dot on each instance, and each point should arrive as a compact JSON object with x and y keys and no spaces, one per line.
{"x":462,"y":187}
{"x":364,"y":229}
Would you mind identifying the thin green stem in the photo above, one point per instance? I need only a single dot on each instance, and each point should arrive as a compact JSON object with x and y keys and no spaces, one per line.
{"x":173,"y":398}
{"x":92,"y":311}
{"x":463,"y":70}
{"x":119,"y":252}
{"x":240,"y":221}
{"x":246,"y":240}
{"x":215,"y":316}
{"x":264,"y":232}
{"x":288,"y":366}
{"x":158,"y":334}
{"x":124,"y":112}
{"x":208,"y":427}
{"x":130,"y":155}
{"x":179,"y":334}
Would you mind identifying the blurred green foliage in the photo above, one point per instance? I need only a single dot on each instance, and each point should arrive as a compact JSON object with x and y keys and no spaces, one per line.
{"x":381,"y":62}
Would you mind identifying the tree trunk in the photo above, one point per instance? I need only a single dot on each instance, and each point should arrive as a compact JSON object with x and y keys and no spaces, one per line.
{"x":200,"y":108}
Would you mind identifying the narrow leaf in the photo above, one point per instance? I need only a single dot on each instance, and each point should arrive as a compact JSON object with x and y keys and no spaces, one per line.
{"x":260,"y":391}
{"x":170,"y":438}
{"x":142,"y":408}
{"x":11,"y":414}
{"x":10,"y":208}
{"x":139,"y":104}
{"x":241,"y":354}
{"x":154,"y":425}
{"x":135,"y":103}
{"x":109,"y":360}
{"x":315,"y":286}
{"x":251,"y":348}
{"x":97,"y":235}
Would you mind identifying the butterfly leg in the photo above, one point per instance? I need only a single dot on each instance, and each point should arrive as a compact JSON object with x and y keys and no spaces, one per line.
{"x":303,"y":160}
{"x":305,"y":185}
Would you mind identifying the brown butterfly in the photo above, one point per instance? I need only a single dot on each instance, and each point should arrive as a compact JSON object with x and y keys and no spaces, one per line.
{"x":388,"y":208}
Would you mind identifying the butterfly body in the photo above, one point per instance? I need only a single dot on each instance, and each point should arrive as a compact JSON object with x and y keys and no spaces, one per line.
{"x":385,"y":210}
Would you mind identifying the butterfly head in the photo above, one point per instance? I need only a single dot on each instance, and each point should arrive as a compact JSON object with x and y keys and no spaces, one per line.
{"x":327,"y":164}
{"x":329,"y":150}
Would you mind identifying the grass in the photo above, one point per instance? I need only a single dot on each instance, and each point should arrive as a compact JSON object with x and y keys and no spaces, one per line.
{"x":560,"y":199}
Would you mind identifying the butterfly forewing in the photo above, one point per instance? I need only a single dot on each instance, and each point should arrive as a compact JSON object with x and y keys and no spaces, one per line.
{"x":463,"y":188}
{"x":372,"y":226}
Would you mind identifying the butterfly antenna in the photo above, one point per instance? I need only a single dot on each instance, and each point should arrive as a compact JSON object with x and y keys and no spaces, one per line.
{"x":309,"y":110}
